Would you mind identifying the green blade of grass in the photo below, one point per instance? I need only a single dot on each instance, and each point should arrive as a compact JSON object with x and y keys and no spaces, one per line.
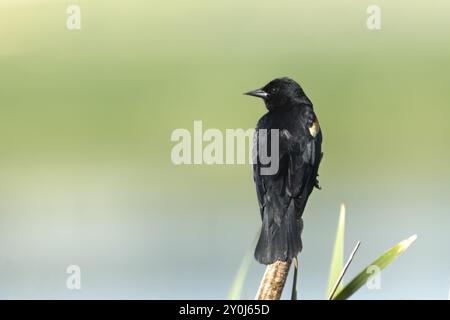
{"x":294,"y":280}
{"x":337,"y":260}
{"x":383,"y":261}
{"x":239,"y":279}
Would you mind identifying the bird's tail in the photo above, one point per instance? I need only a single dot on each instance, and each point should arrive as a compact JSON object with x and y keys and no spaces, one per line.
{"x":280,"y":242}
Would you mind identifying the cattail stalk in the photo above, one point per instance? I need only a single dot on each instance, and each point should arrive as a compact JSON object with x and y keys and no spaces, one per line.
{"x":273,"y":281}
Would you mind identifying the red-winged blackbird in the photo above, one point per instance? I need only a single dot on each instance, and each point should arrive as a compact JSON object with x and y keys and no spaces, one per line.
{"x":282,"y":196}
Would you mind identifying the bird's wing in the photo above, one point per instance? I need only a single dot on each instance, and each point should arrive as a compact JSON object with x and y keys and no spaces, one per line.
{"x":270,"y":189}
{"x":297,"y":173}
{"x":260,"y":188}
{"x":304,"y":159}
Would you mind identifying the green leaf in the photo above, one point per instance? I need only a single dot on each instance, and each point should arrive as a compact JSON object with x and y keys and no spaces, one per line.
{"x":383,"y":261}
{"x":241,"y":275}
{"x":294,"y":280}
{"x":337,"y":260}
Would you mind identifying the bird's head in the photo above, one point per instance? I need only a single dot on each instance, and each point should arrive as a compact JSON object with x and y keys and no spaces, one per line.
{"x":280,"y":93}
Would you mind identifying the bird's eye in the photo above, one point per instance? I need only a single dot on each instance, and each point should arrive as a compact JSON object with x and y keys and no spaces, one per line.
{"x":274,"y":90}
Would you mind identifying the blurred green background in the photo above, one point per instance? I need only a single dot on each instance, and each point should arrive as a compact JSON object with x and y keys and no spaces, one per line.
{"x":85,"y":123}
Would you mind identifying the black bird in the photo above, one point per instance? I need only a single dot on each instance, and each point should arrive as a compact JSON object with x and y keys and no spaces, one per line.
{"x":282,"y":196}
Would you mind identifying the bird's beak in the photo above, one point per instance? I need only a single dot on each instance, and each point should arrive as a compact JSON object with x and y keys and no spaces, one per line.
{"x":259,"y":93}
